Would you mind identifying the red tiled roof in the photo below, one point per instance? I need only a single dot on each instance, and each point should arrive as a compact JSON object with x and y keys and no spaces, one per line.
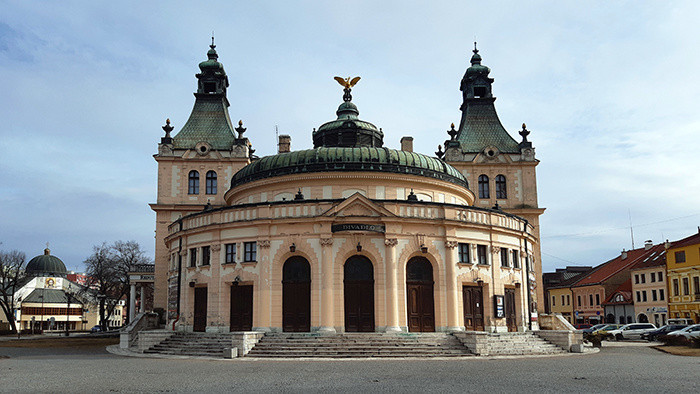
{"x":606,"y":270}
{"x":656,"y":258}
{"x":625,"y":289}
{"x":691,"y":240}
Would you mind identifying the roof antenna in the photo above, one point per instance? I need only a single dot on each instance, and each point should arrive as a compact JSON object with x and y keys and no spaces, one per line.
{"x":629,"y":212}
{"x":212,"y":39}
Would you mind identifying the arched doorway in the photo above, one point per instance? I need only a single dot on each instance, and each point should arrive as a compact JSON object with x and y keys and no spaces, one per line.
{"x":419,"y":290}
{"x":359,"y":294}
{"x":296,"y":295}
{"x":642,"y":318}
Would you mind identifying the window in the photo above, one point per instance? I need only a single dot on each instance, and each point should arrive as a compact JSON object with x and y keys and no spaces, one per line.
{"x":484,"y":187}
{"x":654,"y":297}
{"x":653,"y":277}
{"x":516,"y":259}
{"x":661,"y":294}
{"x":463,"y":252}
{"x":501,"y":187}
{"x":230,"y":254}
{"x":250,"y":251}
{"x":579,"y":301}
{"x":686,"y":286}
{"x":590,"y":299}
{"x":481,"y":255}
{"x":680,"y":257}
{"x":597,"y":299}
{"x":568,"y":300}
{"x":211,"y":182}
{"x":193,"y":182}
{"x":504,"y":257}
{"x":644,"y":296}
{"x":206,"y":255}
{"x":696,"y":284}
{"x":643,"y":277}
{"x":639,"y":297}
{"x":562,"y":300}
{"x":675,"y":287}
{"x":193,"y":257}
{"x":554,"y":300}
{"x":660,"y":276}
{"x":636,"y":278}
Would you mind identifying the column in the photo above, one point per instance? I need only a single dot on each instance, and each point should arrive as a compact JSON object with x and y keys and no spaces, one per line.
{"x":452,"y":288}
{"x":327,"y":321}
{"x":392,"y":288}
{"x":142,"y":304}
{"x":132,"y":302}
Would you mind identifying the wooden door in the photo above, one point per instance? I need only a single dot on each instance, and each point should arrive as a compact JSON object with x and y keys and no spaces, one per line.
{"x":419,"y":289}
{"x":359,"y":294}
{"x":510,"y":310}
{"x":296,"y":295}
{"x":241,"y":308}
{"x":473,"y":306}
{"x":200,"y":309}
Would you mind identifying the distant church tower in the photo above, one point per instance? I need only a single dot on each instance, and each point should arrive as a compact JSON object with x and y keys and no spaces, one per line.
{"x":500,"y":170}
{"x":195,"y":167}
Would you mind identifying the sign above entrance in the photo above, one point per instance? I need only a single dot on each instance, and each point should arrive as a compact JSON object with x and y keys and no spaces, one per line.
{"x":376,"y":228}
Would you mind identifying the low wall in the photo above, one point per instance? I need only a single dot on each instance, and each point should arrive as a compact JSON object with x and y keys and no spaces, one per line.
{"x":245,"y":341}
{"x":128,"y":336}
{"x":565,"y":339}
{"x":475,"y":341}
{"x":554,"y":321}
{"x":146,"y":339}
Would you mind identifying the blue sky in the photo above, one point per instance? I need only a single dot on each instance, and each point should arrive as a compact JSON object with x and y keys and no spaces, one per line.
{"x":608,"y":89}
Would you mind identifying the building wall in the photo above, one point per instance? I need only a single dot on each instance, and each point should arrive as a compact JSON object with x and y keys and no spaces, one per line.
{"x":681,"y":304}
{"x":589,"y":312}
{"x":561,"y":301}
{"x":655,"y":308}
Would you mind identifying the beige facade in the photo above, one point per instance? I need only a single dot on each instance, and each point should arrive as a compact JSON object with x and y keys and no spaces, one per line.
{"x":440,"y":257}
{"x":649,"y":294}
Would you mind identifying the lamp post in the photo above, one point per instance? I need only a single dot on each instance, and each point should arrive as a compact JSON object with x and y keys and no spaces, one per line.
{"x":68,"y":295}
{"x":101,"y":299}
{"x":41,"y":322}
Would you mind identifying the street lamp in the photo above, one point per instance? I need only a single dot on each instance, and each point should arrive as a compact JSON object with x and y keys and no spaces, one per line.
{"x":69,"y":296}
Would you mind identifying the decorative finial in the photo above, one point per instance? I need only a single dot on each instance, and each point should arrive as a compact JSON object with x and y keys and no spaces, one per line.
{"x":452,"y":132}
{"x":47,"y":251}
{"x":240,"y":129}
{"x":299,"y":195}
{"x":496,"y":207}
{"x":475,"y":50}
{"x":439,"y":152}
{"x":212,"y":46}
{"x":524,"y":133}
{"x":412,"y":196}
{"x":347,"y":83}
{"x":167,"y":128}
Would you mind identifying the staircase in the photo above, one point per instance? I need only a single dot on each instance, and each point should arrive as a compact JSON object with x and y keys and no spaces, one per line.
{"x":345,"y":345}
{"x":193,"y":345}
{"x":508,"y":344}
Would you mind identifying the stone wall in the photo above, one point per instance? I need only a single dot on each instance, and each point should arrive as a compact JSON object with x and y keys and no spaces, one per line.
{"x":146,"y":339}
{"x":245,"y":341}
{"x":565,"y":339}
{"x":554,"y":321}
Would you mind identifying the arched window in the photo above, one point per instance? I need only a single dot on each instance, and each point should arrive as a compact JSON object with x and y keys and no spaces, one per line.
{"x":501,"y":187}
{"x":211,"y":182}
{"x":193,"y":182}
{"x":484,"y":187}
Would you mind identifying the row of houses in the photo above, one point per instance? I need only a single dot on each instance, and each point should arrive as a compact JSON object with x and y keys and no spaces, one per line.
{"x":650,"y":284}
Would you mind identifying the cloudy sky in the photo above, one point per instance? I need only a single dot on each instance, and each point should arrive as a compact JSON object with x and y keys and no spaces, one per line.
{"x":610,"y":91}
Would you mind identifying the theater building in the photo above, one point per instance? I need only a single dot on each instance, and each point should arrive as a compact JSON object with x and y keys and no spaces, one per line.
{"x":350,"y":235}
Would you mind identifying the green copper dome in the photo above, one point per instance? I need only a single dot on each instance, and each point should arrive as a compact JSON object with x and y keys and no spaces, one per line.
{"x":325,"y":159}
{"x":46,"y":265}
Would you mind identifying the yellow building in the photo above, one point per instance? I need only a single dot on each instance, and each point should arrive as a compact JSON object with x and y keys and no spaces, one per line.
{"x":560,"y":302}
{"x":683,"y":272}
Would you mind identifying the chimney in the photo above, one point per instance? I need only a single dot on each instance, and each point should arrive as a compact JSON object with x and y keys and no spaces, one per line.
{"x":648,"y":244}
{"x":284,"y":144}
{"x":623,"y":255}
{"x":407,"y":144}
{"x":667,"y":245}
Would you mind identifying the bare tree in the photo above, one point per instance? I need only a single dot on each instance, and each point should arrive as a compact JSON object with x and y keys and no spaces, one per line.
{"x":107,"y":271}
{"x":12,"y":276}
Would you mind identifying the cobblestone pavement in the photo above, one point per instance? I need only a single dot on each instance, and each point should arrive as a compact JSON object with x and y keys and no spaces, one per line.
{"x":614,"y":369}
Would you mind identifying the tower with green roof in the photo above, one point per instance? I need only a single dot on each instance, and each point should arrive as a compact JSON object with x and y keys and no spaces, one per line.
{"x":499,"y":169}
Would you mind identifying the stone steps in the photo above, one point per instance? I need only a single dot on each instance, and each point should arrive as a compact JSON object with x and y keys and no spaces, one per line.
{"x":511,"y":344}
{"x":288,"y":345}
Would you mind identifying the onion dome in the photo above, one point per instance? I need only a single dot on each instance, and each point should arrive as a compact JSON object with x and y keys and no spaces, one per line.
{"x":477,"y":68}
{"x":46,"y":265}
{"x":334,"y":158}
{"x":348,"y":130}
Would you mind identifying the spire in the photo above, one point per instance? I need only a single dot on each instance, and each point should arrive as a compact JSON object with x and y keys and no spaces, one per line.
{"x":479,"y":127}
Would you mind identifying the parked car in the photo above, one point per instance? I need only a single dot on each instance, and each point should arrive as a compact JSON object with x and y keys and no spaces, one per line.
{"x":680,"y":320}
{"x":688,"y":332}
{"x":96,"y":328}
{"x":590,"y":330}
{"x":606,"y":329}
{"x":652,"y":335}
{"x":582,"y":326}
{"x":631,"y":331}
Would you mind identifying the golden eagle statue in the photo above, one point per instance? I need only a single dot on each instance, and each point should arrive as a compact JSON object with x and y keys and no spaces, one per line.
{"x":347,"y":83}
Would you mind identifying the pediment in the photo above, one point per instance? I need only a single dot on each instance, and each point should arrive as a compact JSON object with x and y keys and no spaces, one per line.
{"x":358,"y":205}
